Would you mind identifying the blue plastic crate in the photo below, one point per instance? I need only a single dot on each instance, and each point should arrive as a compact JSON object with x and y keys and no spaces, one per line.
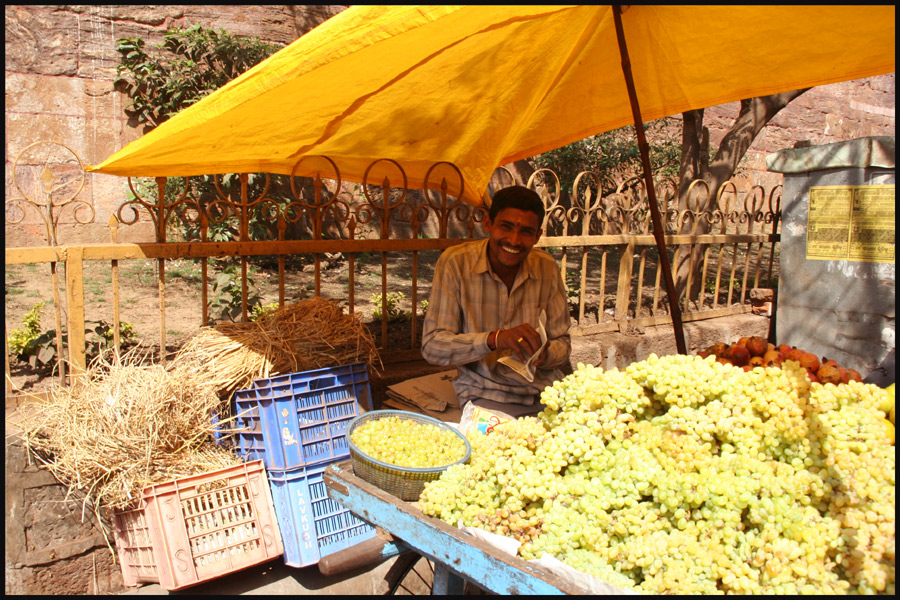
{"x":312,"y":524}
{"x":299,"y":420}
{"x":305,"y":379}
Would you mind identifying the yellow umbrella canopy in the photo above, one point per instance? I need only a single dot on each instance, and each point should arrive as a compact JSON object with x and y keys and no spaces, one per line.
{"x":482,"y":86}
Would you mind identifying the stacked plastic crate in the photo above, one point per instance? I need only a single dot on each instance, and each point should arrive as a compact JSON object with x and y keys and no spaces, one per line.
{"x":296,"y":423}
{"x":198,"y":528}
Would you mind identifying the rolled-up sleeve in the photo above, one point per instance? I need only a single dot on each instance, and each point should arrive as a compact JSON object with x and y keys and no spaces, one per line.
{"x":442,"y":342}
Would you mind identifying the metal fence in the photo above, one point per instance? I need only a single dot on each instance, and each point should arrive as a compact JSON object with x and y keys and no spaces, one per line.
{"x":603,"y":242}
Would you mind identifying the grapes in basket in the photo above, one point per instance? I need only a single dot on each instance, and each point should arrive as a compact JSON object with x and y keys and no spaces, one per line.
{"x":406,"y":443}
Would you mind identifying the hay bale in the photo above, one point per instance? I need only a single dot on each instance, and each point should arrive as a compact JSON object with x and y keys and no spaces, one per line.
{"x":312,"y":334}
{"x":122,"y":427}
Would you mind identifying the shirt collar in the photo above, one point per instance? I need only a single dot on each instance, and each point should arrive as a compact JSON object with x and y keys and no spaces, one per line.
{"x":482,"y":264}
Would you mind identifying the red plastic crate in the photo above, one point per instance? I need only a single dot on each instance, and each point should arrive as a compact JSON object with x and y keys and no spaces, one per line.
{"x":200,"y":528}
{"x":133,"y":545}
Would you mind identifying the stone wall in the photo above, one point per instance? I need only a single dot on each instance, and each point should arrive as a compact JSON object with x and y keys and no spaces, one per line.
{"x":60,"y":67}
{"x":823,"y":115}
{"x":49,"y":550}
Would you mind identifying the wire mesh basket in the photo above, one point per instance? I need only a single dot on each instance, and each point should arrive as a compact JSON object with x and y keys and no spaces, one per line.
{"x":405,"y":483}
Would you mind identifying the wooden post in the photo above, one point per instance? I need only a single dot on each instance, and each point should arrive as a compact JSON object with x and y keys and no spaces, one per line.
{"x":75,"y":305}
{"x":623,"y":289}
{"x":57,"y":313}
{"x":245,"y":237}
{"x":114,"y":266}
{"x":161,"y":218}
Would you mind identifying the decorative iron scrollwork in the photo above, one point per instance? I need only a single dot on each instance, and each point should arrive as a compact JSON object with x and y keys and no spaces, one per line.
{"x":45,"y":175}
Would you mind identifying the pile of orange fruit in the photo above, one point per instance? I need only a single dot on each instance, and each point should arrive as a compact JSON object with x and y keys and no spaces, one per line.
{"x":754,"y":351}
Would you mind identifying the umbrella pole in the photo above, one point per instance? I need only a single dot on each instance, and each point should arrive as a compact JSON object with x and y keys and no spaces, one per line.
{"x":651,"y":191}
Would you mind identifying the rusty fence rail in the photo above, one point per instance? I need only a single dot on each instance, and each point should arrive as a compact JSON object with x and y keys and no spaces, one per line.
{"x":604,"y":244}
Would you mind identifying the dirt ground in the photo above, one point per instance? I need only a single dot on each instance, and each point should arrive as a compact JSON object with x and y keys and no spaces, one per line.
{"x":139,"y":300}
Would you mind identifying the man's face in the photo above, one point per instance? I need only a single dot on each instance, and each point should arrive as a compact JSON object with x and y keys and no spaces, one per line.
{"x":512,"y":234}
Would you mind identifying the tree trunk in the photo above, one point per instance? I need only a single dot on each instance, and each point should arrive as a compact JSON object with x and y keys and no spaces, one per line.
{"x":754,"y":114}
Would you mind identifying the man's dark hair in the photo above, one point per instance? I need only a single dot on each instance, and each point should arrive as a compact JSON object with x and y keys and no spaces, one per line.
{"x":517,"y":196}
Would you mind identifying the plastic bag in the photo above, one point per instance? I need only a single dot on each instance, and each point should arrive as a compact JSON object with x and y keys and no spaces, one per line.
{"x":475,"y":418}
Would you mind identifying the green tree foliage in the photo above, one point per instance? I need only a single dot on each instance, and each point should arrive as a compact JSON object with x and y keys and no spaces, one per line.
{"x":161,"y":81}
{"x":614,"y":156}
{"x":683,"y":153}
{"x":188,"y":65}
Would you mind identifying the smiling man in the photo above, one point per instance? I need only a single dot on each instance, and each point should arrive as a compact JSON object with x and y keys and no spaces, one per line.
{"x":486,"y":301}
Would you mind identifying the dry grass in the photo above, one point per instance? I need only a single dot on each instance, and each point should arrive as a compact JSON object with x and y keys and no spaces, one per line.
{"x":312,"y":334}
{"x":125,"y":426}
{"x":128,"y":424}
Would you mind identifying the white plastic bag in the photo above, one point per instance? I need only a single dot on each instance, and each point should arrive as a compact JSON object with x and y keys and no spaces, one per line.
{"x":475,"y":418}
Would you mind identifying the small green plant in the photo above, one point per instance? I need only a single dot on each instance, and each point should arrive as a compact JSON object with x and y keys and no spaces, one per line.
{"x":185,"y":269}
{"x":29,"y":344}
{"x":261,"y":310}
{"x":424,"y":306}
{"x":226,"y":301}
{"x":710,"y":286}
{"x":573,"y":288}
{"x":142,"y":271}
{"x":105,"y":336}
{"x":392,"y":301}
{"x":21,"y":339}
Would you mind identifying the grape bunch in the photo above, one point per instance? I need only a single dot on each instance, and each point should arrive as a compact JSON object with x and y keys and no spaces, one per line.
{"x":680,"y":474}
{"x":407,"y":443}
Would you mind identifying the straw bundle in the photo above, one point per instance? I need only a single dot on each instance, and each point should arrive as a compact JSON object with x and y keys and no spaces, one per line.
{"x":123,"y":427}
{"x":312,"y":334}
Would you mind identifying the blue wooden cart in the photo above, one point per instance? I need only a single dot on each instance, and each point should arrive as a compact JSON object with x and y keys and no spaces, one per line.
{"x":457,"y":556}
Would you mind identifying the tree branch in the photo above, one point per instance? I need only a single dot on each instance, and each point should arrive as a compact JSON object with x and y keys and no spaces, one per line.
{"x":754,"y":115}
{"x":692,"y":125}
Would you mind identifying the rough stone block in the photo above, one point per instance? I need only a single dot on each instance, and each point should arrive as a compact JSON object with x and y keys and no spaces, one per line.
{"x":65,"y":129}
{"x":762,"y":295}
{"x":764,"y":308}
{"x":49,"y":550}
{"x":41,"y":39}
{"x":618,"y":350}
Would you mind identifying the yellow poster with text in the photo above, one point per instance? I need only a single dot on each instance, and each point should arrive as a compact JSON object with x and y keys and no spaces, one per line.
{"x":851,"y":223}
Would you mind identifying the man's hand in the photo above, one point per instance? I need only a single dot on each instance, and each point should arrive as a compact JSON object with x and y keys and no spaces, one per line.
{"x":523,"y":340}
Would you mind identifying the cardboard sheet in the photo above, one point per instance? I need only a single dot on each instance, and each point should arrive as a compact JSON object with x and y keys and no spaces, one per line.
{"x":432,"y":395}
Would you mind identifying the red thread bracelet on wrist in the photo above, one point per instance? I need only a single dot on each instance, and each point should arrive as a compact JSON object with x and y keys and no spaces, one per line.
{"x":492,"y":340}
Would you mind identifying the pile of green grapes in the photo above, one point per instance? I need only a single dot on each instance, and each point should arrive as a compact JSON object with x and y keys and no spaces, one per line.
{"x":682,"y":475}
{"x":407,"y":443}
